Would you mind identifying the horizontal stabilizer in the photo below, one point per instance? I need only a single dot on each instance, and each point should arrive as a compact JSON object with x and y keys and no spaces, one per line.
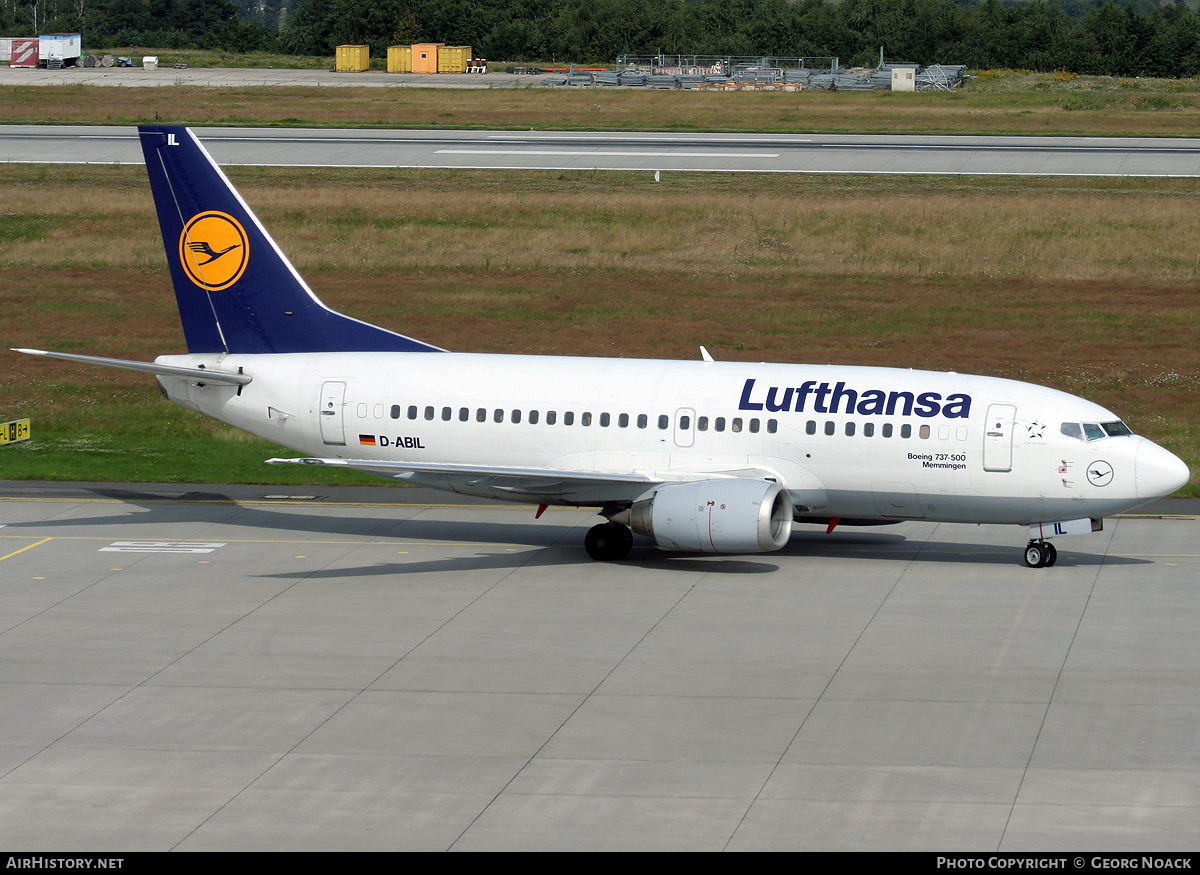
{"x":202,"y":374}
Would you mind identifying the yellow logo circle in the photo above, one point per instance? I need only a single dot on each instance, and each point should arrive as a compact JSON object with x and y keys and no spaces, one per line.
{"x":213,"y":249}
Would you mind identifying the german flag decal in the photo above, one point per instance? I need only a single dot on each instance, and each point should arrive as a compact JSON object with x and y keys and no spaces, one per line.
{"x":366,"y":440}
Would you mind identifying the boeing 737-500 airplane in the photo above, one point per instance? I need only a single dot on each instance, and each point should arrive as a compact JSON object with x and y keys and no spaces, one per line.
{"x":699,"y":455}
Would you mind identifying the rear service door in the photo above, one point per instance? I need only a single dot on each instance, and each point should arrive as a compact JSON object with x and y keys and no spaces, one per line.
{"x":333,"y":401}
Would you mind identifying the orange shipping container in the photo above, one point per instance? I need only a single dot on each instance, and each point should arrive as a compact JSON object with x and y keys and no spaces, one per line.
{"x":425,"y":57}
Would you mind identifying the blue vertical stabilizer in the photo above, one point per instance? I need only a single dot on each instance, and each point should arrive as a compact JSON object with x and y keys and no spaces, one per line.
{"x":237,"y":292}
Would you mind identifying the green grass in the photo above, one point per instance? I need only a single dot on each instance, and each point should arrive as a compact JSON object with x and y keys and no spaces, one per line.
{"x":131,"y":458}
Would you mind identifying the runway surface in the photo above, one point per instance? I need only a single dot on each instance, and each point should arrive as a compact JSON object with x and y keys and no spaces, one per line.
{"x":259,"y":668}
{"x":646,"y":151}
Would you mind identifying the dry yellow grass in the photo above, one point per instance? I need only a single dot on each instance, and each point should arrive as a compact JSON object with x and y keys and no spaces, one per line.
{"x":1033,"y":104}
{"x":401,"y":221}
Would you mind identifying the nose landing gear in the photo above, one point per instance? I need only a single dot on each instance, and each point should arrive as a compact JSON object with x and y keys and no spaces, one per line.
{"x":1040,"y":554}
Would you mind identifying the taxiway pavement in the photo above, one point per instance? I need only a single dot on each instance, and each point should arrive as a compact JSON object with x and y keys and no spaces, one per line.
{"x":212,"y":667}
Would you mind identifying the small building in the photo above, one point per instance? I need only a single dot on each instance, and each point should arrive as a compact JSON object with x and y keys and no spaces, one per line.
{"x":425,"y":57}
{"x":904,"y":78}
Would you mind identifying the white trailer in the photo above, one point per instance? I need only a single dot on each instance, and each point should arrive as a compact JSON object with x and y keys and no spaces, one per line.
{"x":60,"y":49}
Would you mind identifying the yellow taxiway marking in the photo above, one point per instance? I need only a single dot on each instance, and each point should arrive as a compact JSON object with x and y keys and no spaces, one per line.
{"x":23,"y":549}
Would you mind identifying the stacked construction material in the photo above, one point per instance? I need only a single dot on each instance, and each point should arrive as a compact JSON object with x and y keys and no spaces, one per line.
{"x":941,"y":77}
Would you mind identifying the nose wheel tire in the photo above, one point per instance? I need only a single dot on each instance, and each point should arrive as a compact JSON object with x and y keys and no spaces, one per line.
{"x":608,"y":541}
{"x":1040,"y":554}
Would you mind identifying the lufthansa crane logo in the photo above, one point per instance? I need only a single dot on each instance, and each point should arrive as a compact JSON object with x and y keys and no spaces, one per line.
{"x":213,"y":250}
{"x":1099,"y":473}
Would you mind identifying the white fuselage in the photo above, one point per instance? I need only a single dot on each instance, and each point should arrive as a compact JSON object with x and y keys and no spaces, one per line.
{"x":849,"y":442}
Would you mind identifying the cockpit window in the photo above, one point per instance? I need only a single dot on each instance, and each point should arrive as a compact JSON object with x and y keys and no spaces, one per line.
{"x":1095,"y":431}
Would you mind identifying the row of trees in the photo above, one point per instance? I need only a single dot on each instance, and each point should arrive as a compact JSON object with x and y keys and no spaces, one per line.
{"x":172,"y":24}
{"x":1140,"y":37}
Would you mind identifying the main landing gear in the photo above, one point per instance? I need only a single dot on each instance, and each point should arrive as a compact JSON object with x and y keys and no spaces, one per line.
{"x":1040,"y":554}
{"x":608,"y":541}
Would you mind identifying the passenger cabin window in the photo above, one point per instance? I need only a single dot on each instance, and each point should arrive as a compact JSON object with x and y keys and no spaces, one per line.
{"x":395,"y":411}
{"x":754,"y":426}
{"x":585,"y":418}
{"x":568,"y":418}
{"x":604,"y":420}
{"x":498,"y":415}
{"x":516,"y":416}
{"x":464,"y":413}
{"x":551,"y":417}
{"x":664,"y":422}
{"x":701,"y":423}
{"x":533,"y":417}
{"x":685,"y":422}
{"x":623,"y":420}
{"x":429,"y":413}
{"x":446,"y":414}
{"x":772,"y":426}
{"x":868,"y":429}
{"x":736,"y":424}
{"x":481,"y":415}
{"x":906,"y":431}
{"x":810,"y":427}
{"x":412,"y":412}
{"x":642,"y":420}
{"x":720,"y":424}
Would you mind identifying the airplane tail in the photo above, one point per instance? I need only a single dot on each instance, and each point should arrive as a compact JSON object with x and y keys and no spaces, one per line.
{"x":236,"y":290}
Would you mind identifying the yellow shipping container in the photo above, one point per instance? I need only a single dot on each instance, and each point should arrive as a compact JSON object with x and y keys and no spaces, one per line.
{"x":425,"y":57}
{"x":353,"y":59}
{"x":453,"y":59}
{"x":399,"y":59}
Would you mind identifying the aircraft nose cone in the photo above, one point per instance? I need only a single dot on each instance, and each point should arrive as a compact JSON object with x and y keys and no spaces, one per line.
{"x":1158,"y":472}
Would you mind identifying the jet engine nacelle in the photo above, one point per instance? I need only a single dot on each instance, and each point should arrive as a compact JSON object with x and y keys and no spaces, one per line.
{"x":716,"y":516}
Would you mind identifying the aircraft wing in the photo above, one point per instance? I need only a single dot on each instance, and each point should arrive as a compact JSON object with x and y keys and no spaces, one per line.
{"x":541,"y":485}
